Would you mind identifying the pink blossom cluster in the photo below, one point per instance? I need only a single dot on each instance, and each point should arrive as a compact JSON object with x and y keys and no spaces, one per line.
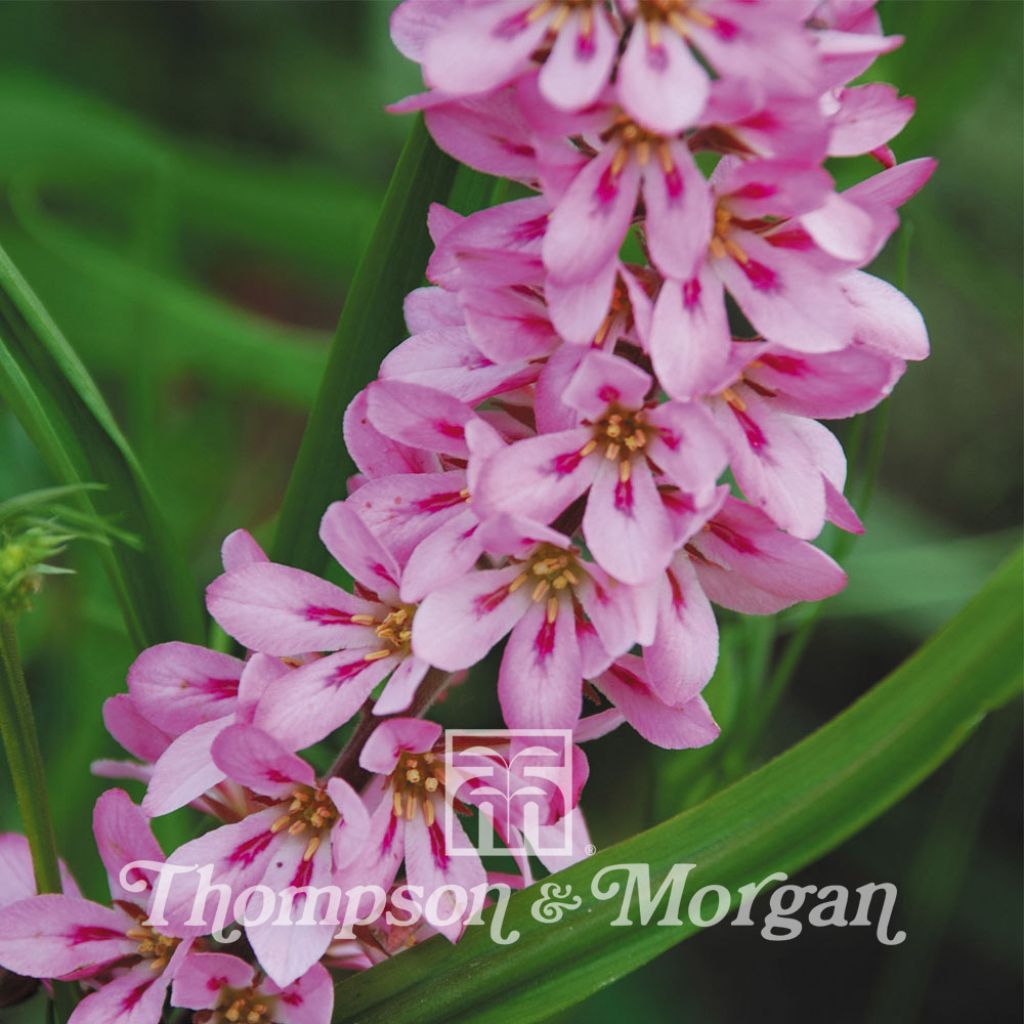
{"x":605,"y":420}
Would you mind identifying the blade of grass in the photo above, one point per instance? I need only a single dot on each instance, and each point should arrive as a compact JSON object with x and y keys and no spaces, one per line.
{"x":58,"y":404}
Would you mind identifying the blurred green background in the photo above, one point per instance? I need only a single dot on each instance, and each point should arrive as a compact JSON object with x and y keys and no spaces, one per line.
{"x":188,"y":187}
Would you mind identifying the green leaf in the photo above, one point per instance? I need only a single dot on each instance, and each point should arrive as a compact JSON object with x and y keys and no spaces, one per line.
{"x":59,"y":406}
{"x":793,"y":810}
{"x":371,"y":325}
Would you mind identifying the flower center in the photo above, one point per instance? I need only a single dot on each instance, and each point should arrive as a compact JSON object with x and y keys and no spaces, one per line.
{"x":631,"y":138}
{"x":414,"y":783}
{"x":240,"y":1006}
{"x":152,"y":946}
{"x":722,"y":244}
{"x":311,"y":812}
{"x":395,"y":630}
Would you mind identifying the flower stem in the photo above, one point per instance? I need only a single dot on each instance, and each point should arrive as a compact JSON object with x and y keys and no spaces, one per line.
{"x":21,"y":744}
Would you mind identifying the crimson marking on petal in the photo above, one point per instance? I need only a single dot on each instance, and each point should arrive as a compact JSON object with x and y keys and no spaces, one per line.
{"x":608,"y":393}
{"x":511,"y":26}
{"x":93,"y":933}
{"x":273,"y":775}
{"x":440,"y":501}
{"x":691,"y":293}
{"x":673,"y":183}
{"x":378,"y":570}
{"x":763,"y":120}
{"x":790,"y":238}
{"x":755,"y":190}
{"x":291,"y":998}
{"x":737,"y":541}
{"x":437,"y":849}
{"x":450,"y":429}
{"x":677,"y":500}
{"x":630,"y":679}
{"x":624,"y":496}
{"x":133,"y":997}
{"x":328,"y":616}
{"x":566,"y":463}
{"x":725,"y":29}
{"x":303,"y":874}
{"x":790,"y":365}
{"x":608,"y":186}
{"x":344,"y":673}
{"x":678,"y":601}
{"x":671,"y":439}
{"x":544,"y":642}
{"x":219,"y":689}
{"x":530,"y":230}
{"x":216,"y":983}
{"x":755,"y":436}
{"x":515,"y":148}
{"x":389,"y":834}
{"x":248,"y":851}
{"x":585,"y":48}
{"x":486,"y":603}
{"x":761,"y":277}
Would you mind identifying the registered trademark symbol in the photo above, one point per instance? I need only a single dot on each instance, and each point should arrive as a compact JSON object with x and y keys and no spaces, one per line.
{"x":590,"y":849}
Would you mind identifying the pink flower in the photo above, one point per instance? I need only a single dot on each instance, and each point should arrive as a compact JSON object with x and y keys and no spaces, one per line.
{"x":237,"y":992}
{"x":17,"y":876}
{"x":568,"y":619}
{"x":299,"y":832}
{"x":281,"y":611}
{"x":407,"y":808}
{"x":65,"y":936}
{"x":472,"y":48}
{"x":623,"y":447}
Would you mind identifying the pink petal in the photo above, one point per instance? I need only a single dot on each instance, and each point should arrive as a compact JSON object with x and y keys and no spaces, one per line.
{"x":255,"y":759}
{"x":177,"y":686}
{"x":186,"y":769}
{"x":240,"y":548}
{"x":868,"y":117}
{"x":591,"y":220}
{"x":200,"y":979}
{"x":508,"y":325}
{"x":136,"y":733}
{"x":428,"y":864}
{"x":610,"y":607}
{"x":661,"y":85}
{"x":309,"y":1000}
{"x":287,"y":951}
{"x":54,"y":936}
{"x":351,"y":833}
{"x":786,"y":297}
{"x":415,"y":22}
{"x":831,"y":385}
{"x":884,"y":318}
{"x":402,"y":686}
{"x":123,"y":835}
{"x":136,"y":997}
{"x":690,"y":335}
{"x":578,"y":308}
{"x":358,"y":551}
{"x":481,"y":46}
{"x":541,"y":671}
{"x":377,"y":455}
{"x":419,"y":416}
{"x":17,"y":877}
{"x":427,"y":308}
{"x":279,"y":610}
{"x":456,"y":626}
{"x":680,"y":210}
{"x":580,"y":61}
{"x":443,"y":557}
{"x":684,"y":653}
{"x":311,"y":701}
{"x":405,"y":509}
{"x":625,"y":524}
{"x":676,"y":728}
{"x":393,"y":737}
{"x":894,"y":186}
{"x":604,"y":380}
{"x":686,"y":446}
{"x":773,"y":465}
{"x":538,"y":477}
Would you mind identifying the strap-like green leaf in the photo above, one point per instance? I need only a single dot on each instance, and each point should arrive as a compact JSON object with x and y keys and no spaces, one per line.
{"x":779,"y":818}
{"x":371,"y":325}
{"x":50,"y":391}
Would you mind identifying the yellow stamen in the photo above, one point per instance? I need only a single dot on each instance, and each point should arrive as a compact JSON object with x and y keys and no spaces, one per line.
{"x":625,"y":468}
{"x":517,"y":582}
{"x":364,"y":620}
{"x":311,"y":847}
{"x":377,"y":655}
{"x":552,"y":609}
{"x":540,"y":590}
